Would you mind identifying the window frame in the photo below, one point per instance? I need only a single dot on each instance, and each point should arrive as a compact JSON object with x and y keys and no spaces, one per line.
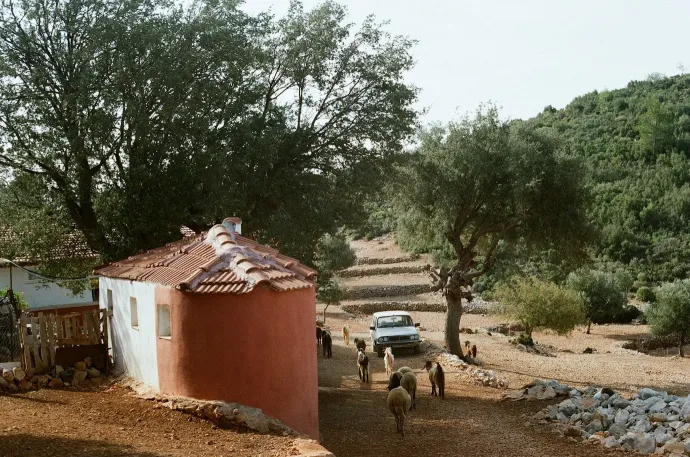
{"x":160,"y":306}
{"x":134,"y":316}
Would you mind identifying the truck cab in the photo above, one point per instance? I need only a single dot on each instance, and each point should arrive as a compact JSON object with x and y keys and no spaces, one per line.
{"x":394,"y":329}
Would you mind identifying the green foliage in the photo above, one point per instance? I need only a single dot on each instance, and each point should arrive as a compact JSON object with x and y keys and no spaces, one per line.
{"x":634,"y":144}
{"x":538,"y":304}
{"x":19,"y":298}
{"x":481,"y":188}
{"x":603,"y":295}
{"x":333,"y":253}
{"x":128,"y":119}
{"x":645,"y":294}
{"x":330,"y":291}
{"x":670,"y":315}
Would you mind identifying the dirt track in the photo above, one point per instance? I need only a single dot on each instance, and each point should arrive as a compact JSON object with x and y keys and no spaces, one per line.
{"x":471,"y":421}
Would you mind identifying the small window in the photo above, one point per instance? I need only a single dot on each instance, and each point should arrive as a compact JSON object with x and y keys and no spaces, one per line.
{"x":133,"y":312}
{"x":109,"y":298}
{"x":164,"y":330}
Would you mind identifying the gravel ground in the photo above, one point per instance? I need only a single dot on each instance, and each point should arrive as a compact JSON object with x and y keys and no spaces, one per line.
{"x":112,"y":423}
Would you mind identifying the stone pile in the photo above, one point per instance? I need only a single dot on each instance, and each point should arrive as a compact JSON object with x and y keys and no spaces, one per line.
{"x":480,"y":376}
{"x":650,"y":422}
{"x":19,"y":380}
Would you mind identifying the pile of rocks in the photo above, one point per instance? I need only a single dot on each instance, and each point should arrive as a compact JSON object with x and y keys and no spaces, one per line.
{"x":649,"y":422}
{"x":478,"y":375}
{"x":19,"y":380}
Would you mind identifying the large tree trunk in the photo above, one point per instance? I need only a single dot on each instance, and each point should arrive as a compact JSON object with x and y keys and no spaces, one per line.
{"x":453,"y":325}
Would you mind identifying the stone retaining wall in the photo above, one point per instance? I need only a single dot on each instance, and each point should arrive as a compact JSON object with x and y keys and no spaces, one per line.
{"x":386,"y":260}
{"x":382,"y":270}
{"x":375,"y":307}
{"x":363,"y":292}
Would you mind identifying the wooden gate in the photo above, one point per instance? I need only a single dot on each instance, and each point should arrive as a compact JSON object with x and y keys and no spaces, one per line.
{"x":43,"y":334}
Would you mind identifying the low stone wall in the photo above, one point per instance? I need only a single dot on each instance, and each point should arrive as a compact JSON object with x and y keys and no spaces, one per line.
{"x":391,"y":269}
{"x":229,"y":416}
{"x":375,"y":307}
{"x":362,"y":292}
{"x":476,"y":307}
{"x":386,"y":260}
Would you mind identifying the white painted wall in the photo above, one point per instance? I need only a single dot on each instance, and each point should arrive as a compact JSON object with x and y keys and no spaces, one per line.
{"x":40,"y":294}
{"x":134,"y":350}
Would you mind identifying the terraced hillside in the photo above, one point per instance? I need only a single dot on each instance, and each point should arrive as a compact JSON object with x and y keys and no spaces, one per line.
{"x":386,"y":278}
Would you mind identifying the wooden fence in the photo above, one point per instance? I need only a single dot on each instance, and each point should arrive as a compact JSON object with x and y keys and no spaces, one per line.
{"x":42,"y":335}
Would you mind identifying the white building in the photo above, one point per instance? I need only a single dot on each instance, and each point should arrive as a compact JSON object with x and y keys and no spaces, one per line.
{"x":40,"y":294}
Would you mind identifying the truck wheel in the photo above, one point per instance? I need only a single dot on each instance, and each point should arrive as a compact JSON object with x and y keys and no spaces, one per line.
{"x":417,"y":349}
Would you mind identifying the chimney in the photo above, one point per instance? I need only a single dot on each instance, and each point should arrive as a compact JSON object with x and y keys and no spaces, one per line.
{"x":233,"y":224}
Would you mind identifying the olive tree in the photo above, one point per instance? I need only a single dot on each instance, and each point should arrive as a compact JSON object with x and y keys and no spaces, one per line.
{"x":670,"y":314}
{"x":538,"y":304}
{"x":603,"y":295}
{"x":333,"y":253}
{"x":481,"y":183}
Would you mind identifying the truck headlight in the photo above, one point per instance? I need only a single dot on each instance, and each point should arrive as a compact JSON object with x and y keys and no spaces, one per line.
{"x":383,"y":339}
{"x":415,"y":337}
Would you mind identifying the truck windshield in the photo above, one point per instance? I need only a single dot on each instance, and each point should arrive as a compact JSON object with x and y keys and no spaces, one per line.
{"x":394,"y":321}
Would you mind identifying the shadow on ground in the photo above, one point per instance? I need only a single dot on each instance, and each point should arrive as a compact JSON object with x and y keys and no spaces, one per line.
{"x":22,"y":445}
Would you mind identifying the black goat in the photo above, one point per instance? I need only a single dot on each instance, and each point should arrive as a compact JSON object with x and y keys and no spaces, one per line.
{"x":327,"y":343}
{"x":319,"y":334}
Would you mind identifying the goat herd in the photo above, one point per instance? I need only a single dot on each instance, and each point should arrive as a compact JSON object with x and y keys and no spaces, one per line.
{"x":402,"y":386}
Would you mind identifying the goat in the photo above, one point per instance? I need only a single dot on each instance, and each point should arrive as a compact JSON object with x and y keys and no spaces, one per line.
{"x":361,"y":344}
{"x":437,"y":378}
{"x":468,"y":349}
{"x":327,"y":343}
{"x":346,"y":335}
{"x":319,"y":334}
{"x":474,"y":351}
{"x":363,"y":365}
{"x":389,"y":361}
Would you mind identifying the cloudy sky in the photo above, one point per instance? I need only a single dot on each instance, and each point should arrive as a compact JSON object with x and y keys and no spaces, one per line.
{"x":526,"y":54}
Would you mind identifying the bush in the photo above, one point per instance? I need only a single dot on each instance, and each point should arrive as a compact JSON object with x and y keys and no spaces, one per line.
{"x":18,"y":296}
{"x":540,"y":304}
{"x":645,"y":294}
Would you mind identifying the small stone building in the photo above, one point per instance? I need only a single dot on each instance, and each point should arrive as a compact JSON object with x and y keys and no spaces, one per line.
{"x":217,"y":316}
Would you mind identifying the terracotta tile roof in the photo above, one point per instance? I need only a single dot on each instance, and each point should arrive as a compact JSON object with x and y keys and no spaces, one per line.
{"x":217,"y":261}
{"x":72,"y":246}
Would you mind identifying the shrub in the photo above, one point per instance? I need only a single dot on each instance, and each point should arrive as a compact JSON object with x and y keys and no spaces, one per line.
{"x":333,"y":253}
{"x":18,"y":296}
{"x":645,"y":294}
{"x":540,"y":304}
{"x":670,"y":315}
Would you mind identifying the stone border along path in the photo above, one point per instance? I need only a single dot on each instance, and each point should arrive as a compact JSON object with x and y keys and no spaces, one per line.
{"x":650,"y":422}
{"x":229,"y":415}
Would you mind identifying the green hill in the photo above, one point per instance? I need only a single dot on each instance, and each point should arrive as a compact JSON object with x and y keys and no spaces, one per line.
{"x":636,"y":144}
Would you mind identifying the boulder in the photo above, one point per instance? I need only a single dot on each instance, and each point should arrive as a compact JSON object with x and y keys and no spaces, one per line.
{"x":621,"y":416}
{"x":3,"y":383}
{"x":19,"y":374}
{"x":611,"y":442}
{"x":24,"y":385}
{"x":567,"y":407}
{"x":8,"y":375}
{"x":594,"y":426}
{"x":673,"y":448}
{"x":80,"y":366}
{"x":658,"y":406}
{"x":57,"y":382}
{"x":685,"y":410}
{"x":649,"y":393}
{"x":79,"y":376}
{"x":93,"y":372}
{"x":639,"y":442}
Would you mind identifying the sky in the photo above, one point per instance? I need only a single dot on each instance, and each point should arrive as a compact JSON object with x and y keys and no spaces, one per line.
{"x":524,"y":55}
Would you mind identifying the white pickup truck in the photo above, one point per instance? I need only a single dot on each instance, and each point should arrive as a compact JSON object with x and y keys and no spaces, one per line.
{"x":394,"y":329}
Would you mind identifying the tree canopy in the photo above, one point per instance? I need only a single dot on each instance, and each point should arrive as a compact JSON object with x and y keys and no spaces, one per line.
{"x":634,"y":144}
{"x":124,"y":120}
{"x":480,"y":185}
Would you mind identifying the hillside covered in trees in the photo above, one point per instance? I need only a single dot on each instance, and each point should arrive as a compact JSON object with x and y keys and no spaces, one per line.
{"x":635,"y":144}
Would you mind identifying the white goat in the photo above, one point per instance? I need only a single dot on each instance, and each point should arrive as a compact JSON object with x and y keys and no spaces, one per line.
{"x":346,"y":335}
{"x":389,"y":361}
